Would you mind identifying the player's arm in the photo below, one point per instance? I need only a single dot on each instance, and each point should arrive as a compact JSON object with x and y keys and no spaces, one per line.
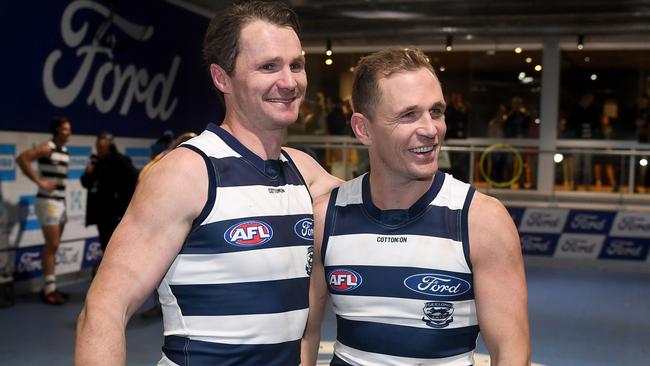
{"x":139,"y":253}
{"x":25,"y":159}
{"x":318,"y":180}
{"x":317,"y":289}
{"x":499,"y":282}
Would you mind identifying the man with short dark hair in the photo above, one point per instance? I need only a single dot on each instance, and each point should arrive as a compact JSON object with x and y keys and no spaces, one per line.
{"x":53,"y":158}
{"x":414,"y":260}
{"x":110,"y":179}
{"x":223,"y":224}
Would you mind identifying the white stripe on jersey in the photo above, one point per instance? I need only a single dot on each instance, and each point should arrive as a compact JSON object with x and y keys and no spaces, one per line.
{"x":60,"y":156}
{"x":357,"y":357}
{"x":212,"y":145}
{"x":452,"y":194}
{"x":405,"y":312}
{"x":366,"y":250}
{"x":236,"y":202}
{"x":244,"y":329}
{"x":57,"y":169}
{"x":247,"y":266}
{"x":164,"y":361}
{"x":350,"y":194}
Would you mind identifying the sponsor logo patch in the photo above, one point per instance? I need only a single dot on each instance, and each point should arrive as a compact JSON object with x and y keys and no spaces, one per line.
{"x":438,"y":314}
{"x":248,"y":233}
{"x":343,"y":280}
{"x":304,"y":229}
{"x":434,"y":284}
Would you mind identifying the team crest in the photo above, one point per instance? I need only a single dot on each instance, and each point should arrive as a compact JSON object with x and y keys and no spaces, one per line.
{"x":438,"y":314}
{"x":310,"y":259}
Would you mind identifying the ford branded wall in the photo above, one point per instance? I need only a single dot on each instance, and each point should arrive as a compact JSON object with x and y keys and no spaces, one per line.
{"x":583,"y":234}
{"x":131,"y":68}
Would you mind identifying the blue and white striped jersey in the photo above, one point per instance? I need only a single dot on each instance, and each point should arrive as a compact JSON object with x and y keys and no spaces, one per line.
{"x":401,"y":280}
{"x":55,"y":169}
{"x":237,"y":293}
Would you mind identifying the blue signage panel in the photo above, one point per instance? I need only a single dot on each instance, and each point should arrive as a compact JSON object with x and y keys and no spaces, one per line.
{"x":131,"y":68}
{"x":7,"y":162}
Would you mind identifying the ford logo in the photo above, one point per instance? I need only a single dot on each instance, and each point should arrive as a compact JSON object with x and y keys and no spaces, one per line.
{"x":434,"y":284}
{"x":305,"y":229}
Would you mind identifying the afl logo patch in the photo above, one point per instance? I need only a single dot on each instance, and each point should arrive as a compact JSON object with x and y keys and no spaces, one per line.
{"x":248,"y":233}
{"x":435,"y":284}
{"x":342,"y":280}
{"x":305,"y":229}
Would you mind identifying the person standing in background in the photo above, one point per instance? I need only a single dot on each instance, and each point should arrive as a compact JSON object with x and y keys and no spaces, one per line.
{"x":53,"y":158}
{"x":110,"y":179}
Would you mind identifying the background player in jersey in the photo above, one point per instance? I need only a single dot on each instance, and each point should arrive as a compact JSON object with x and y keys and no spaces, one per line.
{"x":53,"y":158}
{"x":414,"y":260}
{"x":215,"y":222}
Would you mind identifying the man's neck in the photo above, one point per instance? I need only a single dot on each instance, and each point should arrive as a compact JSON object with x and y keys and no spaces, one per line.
{"x":264,"y":143}
{"x":390,"y":193}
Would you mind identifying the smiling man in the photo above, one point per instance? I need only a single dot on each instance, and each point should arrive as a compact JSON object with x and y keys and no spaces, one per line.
{"x":222,"y":225}
{"x":413,"y":259}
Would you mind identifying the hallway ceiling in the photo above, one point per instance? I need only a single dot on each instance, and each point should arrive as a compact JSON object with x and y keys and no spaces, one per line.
{"x":366,"y":24}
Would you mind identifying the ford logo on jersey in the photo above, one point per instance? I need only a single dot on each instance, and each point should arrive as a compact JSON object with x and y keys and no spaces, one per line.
{"x":305,"y":229}
{"x":248,"y":233}
{"x":343,"y":279}
{"x":435,"y":284}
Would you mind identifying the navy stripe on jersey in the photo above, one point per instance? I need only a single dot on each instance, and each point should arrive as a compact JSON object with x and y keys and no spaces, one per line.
{"x":49,"y":161}
{"x":231,"y":170}
{"x":178,"y":350}
{"x":465,"y":225}
{"x":402,"y":341}
{"x":351,"y":220}
{"x":209,"y":238}
{"x":390,"y":282}
{"x":212,"y":193}
{"x":385,"y":217}
{"x":40,"y":195}
{"x":264,"y":297}
{"x":302,"y":179}
{"x":329,"y":218}
{"x":53,"y":175}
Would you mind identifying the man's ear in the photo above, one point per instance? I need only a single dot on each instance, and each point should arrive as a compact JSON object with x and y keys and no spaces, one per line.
{"x":220,"y":78}
{"x":359,"y":124}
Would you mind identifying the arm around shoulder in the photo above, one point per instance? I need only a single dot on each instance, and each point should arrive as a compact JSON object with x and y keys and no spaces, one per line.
{"x":499,"y":282}
{"x":318,"y":292}
{"x":318,"y":180}
{"x":139,"y":253}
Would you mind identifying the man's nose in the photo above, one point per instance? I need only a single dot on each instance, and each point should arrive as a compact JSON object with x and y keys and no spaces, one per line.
{"x":287,"y":79}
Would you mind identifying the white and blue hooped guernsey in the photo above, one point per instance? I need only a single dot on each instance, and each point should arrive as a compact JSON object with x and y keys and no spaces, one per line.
{"x":237,"y":293}
{"x":401,"y":280}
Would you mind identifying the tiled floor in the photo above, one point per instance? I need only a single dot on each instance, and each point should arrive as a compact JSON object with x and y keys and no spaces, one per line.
{"x":577,"y":317}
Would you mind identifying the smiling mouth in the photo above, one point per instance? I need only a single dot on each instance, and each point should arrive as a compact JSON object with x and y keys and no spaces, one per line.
{"x":281,"y":100}
{"x":423,"y":149}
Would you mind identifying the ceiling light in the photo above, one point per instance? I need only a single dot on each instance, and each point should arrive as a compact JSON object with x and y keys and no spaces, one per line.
{"x":538,"y":67}
{"x":449,"y":45}
{"x":529,"y":60}
{"x":328,"y":61}
{"x":594,"y":77}
{"x":581,"y":42}
{"x":442,"y":69}
{"x":518,"y":50}
{"x":328,"y":48}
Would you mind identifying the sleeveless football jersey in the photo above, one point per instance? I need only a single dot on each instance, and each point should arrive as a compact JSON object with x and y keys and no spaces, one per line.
{"x":55,"y":169}
{"x":401,"y":280}
{"x":237,"y":293}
